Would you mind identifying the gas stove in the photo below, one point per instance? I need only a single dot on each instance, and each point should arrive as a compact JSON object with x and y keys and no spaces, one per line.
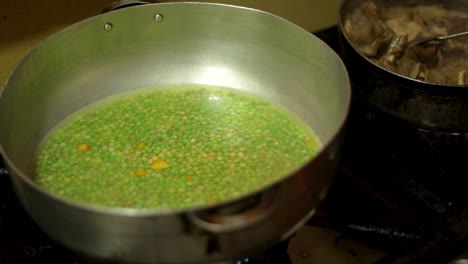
{"x":399,"y":189}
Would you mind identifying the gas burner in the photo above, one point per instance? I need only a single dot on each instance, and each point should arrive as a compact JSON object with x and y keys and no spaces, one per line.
{"x":447,"y":134}
{"x":440,"y":139}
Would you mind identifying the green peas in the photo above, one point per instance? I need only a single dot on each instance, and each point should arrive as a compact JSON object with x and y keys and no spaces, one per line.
{"x":174,"y":147}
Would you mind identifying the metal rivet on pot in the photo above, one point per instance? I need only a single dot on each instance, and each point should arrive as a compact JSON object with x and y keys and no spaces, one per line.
{"x":158,"y":17}
{"x":107,"y":26}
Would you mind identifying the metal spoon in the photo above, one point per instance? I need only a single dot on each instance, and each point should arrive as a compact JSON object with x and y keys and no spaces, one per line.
{"x":419,"y":41}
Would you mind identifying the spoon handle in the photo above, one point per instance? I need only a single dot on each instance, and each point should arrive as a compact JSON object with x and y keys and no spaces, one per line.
{"x":453,"y":35}
{"x":419,"y":41}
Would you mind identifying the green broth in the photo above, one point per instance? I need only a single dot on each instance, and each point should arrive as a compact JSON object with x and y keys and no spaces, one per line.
{"x":172,"y":147}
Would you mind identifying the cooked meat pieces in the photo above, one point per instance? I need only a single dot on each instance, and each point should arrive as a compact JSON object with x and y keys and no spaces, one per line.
{"x":381,"y":34}
{"x":367,"y":30}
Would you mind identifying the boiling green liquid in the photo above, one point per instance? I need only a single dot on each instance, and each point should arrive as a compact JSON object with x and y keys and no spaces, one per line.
{"x":174,"y":147}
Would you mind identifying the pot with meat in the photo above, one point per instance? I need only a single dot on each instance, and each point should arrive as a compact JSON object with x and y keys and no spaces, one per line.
{"x":424,"y":84}
{"x":149,"y":135}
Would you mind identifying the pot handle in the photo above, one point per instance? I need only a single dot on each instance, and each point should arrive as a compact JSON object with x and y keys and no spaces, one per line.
{"x":238,"y":214}
{"x":125,"y":3}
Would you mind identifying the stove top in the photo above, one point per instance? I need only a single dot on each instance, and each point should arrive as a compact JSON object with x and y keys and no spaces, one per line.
{"x":399,"y":189}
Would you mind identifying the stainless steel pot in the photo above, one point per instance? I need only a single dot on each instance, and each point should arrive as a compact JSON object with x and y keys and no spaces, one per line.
{"x":426,"y":105}
{"x":163,"y":44}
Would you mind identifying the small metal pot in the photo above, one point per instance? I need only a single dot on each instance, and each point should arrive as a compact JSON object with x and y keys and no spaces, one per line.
{"x":426,"y":105}
{"x":159,"y":45}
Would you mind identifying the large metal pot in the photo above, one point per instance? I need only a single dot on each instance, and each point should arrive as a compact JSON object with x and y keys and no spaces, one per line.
{"x":427,"y":105}
{"x":163,"y":44}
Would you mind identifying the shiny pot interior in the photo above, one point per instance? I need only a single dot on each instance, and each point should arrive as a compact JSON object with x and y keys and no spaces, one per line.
{"x":159,"y":45}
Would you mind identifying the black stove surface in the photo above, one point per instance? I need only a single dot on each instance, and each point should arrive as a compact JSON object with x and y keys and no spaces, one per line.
{"x":20,"y":240}
{"x":398,"y":188}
